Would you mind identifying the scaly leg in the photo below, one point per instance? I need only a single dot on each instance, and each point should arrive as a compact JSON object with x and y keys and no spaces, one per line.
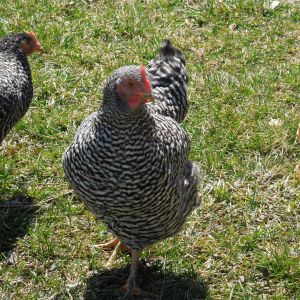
{"x":130,"y":286}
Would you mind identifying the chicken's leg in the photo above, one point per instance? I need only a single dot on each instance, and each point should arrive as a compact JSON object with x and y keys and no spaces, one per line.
{"x":130,"y":286}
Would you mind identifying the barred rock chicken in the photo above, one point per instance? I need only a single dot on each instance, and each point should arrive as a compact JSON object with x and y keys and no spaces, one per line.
{"x":130,"y":166}
{"x":168,"y":78}
{"x":16,"y":90}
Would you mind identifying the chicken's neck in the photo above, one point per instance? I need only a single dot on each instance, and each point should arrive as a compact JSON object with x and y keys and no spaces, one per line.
{"x":141,"y":119}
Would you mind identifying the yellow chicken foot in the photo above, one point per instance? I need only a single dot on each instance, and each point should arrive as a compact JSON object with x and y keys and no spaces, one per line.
{"x":109,"y":245}
{"x":114,"y":245}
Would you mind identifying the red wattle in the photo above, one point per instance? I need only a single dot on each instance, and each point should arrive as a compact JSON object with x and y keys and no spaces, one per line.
{"x":133,"y":101}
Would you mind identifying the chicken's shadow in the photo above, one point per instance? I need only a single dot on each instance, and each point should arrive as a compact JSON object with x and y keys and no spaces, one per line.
{"x":107,"y":284}
{"x":15,"y":216}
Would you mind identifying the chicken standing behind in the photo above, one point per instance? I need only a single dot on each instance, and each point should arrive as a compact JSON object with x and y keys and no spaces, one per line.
{"x":130,"y":166}
{"x":16,"y":89}
{"x":169,"y":79}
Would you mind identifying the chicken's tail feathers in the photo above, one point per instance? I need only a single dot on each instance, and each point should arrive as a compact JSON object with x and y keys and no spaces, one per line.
{"x":168,"y":77}
{"x":168,"y":50}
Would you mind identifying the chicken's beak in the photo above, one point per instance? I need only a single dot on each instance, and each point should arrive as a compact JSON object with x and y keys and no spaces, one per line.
{"x":38,"y":47}
{"x":148,"y":98}
{"x":41,"y":50}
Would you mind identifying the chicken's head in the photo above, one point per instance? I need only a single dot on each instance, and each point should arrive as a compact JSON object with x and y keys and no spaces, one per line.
{"x":29,"y":43}
{"x":24,"y":42}
{"x":128,"y":88}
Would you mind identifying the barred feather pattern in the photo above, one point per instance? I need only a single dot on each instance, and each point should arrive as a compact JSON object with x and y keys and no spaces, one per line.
{"x":169,"y":79}
{"x":16,"y":90}
{"x":132,"y":171}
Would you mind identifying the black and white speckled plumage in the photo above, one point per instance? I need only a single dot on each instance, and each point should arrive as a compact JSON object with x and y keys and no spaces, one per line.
{"x":169,"y":80}
{"x":131,"y":169}
{"x":16,"y":90}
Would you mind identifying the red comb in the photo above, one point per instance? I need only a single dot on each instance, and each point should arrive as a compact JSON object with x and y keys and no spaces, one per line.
{"x":32,"y":35}
{"x":145,"y":79}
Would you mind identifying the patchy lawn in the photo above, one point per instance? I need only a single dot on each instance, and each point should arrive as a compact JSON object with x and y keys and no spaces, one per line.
{"x":243,"y":63}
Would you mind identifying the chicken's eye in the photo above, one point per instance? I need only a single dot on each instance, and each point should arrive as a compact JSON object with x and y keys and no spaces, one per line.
{"x":130,"y":83}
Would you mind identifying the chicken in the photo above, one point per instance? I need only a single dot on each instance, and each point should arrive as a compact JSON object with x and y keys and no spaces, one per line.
{"x":169,"y":80}
{"x":16,"y":90}
{"x":130,"y":166}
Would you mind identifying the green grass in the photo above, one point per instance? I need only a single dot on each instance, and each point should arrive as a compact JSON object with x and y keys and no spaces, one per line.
{"x":243,"y":63}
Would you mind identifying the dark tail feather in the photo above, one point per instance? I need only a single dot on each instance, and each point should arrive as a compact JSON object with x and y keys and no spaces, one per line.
{"x":168,"y":50}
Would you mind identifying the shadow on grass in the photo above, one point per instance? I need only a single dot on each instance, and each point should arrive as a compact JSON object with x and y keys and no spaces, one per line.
{"x":106,"y":284}
{"x":15,"y":216}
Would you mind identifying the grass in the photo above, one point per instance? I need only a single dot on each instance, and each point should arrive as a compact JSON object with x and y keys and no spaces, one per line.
{"x":243,"y":63}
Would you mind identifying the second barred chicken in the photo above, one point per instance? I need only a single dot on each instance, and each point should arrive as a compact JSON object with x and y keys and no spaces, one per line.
{"x":16,"y":89}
